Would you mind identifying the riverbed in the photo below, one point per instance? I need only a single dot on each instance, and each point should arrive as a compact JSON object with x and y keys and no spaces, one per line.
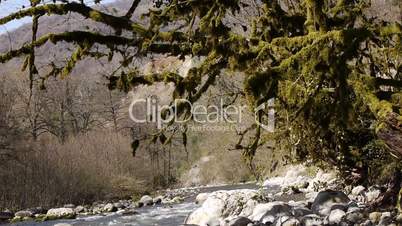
{"x":161,"y":215}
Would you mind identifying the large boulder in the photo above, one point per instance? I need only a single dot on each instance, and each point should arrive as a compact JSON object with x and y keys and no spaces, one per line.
{"x":268,"y":212}
{"x":60,"y":213}
{"x":324,"y":201}
{"x":146,"y":200}
{"x":221,"y":205}
{"x":24,"y":213}
{"x":201,"y":198}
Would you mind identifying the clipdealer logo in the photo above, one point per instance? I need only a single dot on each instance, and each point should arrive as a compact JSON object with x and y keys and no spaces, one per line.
{"x":148,"y":110}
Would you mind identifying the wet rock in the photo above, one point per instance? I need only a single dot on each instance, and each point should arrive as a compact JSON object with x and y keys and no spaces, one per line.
{"x":79,"y":209}
{"x":267,"y":212}
{"x":326,"y":199}
{"x":109,"y":208}
{"x":223,"y":204}
{"x":201,"y":198}
{"x":60,"y":213}
{"x":157,"y":200}
{"x":311,"y":220}
{"x":175,"y":200}
{"x":145,"y":200}
{"x":63,"y":224}
{"x":6,"y":215}
{"x":129,"y":212}
{"x":240,"y":221}
{"x":336,"y":216}
{"x":16,"y":219}
{"x":24,"y":213}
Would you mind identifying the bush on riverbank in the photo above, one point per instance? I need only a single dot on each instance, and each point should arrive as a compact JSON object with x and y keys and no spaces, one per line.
{"x":93,"y":166}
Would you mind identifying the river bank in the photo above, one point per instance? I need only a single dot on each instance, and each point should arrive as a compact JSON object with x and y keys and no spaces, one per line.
{"x":294,"y":198}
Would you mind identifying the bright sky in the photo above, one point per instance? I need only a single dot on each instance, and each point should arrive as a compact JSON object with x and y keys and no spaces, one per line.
{"x":10,"y":6}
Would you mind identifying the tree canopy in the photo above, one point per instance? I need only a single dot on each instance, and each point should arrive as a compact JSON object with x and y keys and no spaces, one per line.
{"x":335,"y":72}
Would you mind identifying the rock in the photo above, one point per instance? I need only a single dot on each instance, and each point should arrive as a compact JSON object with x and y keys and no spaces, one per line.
{"x":146,"y":200}
{"x":372,"y":194}
{"x":240,"y":221}
{"x":109,"y":208}
{"x":311,"y":220}
{"x":201,"y":198}
{"x":341,"y":206}
{"x":294,"y":177}
{"x":24,"y":213}
{"x":286,"y":221}
{"x":224,"y":204}
{"x":79,"y":209}
{"x":60,"y":213}
{"x":354,"y":209}
{"x":267,"y":212}
{"x":399,"y":218}
{"x":326,"y":199}
{"x":157,"y":200}
{"x":176,"y":199}
{"x":354,"y":217}
{"x":62,"y":224}
{"x":37,"y":210}
{"x":16,"y":219}
{"x":367,"y":223}
{"x":375,"y":217}
{"x":119,"y":205}
{"x":322,"y":180}
{"x":72,"y":206}
{"x":385,"y":218}
{"x":97,"y":209}
{"x":129,"y":212}
{"x":6,"y":215}
{"x":358,"y":190}
{"x":336,"y":216}
{"x":299,"y":212}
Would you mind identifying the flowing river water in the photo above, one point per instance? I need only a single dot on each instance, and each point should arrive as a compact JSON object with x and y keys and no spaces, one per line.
{"x":162,"y":215}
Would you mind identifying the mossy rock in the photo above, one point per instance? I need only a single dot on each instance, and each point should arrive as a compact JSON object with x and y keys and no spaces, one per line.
{"x":51,"y":217}
{"x":16,"y":219}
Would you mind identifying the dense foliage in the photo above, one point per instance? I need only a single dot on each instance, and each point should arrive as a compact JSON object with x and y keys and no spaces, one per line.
{"x":335,"y":72}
